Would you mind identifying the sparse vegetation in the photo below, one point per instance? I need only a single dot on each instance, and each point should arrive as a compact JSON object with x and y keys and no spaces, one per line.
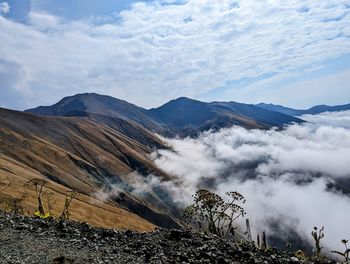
{"x":300,"y":254}
{"x":50,"y":201}
{"x":68,"y":200}
{"x":262,"y":244}
{"x":12,"y":204}
{"x":318,"y":234}
{"x":346,"y":253}
{"x":210,"y":213}
{"x":76,"y":242}
{"x":39,"y":185}
{"x":42,"y":192}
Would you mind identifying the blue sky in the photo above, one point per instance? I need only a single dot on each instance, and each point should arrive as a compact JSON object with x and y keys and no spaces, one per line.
{"x":295,"y":53}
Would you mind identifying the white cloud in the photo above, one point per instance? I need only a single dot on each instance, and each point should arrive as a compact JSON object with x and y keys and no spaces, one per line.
{"x":155,"y":52}
{"x":296,"y":208}
{"x":43,"y":21}
{"x":335,"y":119}
{"x":284,"y":175}
{"x":4,"y":8}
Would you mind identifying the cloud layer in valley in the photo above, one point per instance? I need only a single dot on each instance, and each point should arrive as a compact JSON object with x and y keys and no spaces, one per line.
{"x":165,"y":49}
{"x":286,"y":175}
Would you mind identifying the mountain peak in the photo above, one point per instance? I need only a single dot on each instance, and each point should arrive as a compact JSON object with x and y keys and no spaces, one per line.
{"x":96,"y":96}
{"x":80,"y":97}
{"x":85,"y":104}
{"x":182,"y":99}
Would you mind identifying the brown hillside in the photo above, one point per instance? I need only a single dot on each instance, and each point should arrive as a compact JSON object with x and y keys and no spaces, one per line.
{"x":79,"y":154}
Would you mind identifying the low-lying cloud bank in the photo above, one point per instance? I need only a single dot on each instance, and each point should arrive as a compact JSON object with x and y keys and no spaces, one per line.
{"x":287,"y":176}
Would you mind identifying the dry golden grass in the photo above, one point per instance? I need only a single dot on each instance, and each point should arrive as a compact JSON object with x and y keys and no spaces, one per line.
{"x":79,"y":154}
{"x":84,"y":208}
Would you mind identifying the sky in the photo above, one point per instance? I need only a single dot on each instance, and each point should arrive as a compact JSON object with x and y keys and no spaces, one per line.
{"x":295,"y":52}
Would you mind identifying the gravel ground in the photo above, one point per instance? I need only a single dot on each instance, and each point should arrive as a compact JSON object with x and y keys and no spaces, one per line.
{"x":29,"y":240}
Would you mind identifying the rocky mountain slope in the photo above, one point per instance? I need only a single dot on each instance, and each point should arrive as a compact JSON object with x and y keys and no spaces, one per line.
{"x":27,"y":240}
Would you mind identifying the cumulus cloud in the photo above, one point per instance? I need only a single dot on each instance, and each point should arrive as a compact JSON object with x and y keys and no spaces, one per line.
{"x":159,"y":50}
{"x":299,"y":176}
{"x":4,"y":8}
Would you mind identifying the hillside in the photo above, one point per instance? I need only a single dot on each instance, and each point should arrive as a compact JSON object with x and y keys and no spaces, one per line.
{"x":182,"y":116}
{"x":69,"y":242}
{"x":77,"y":153}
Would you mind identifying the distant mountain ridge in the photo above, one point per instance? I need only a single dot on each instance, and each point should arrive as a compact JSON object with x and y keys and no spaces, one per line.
{"x":188,"y":115}
{"x":298,"y":112}
{"x":182,"y":116}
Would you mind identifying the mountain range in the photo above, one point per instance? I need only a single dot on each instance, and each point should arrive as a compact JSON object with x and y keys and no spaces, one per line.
{"x":101,"y":146}
{"x":182,"y":116}
{"x":298,"y":112}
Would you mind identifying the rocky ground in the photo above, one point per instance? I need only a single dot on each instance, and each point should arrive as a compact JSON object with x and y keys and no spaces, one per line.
{"x":29,"y":240}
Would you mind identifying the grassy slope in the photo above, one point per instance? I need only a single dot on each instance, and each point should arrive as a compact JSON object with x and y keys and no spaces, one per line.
{"x":73,"y":153}
{"x":13,"y":176}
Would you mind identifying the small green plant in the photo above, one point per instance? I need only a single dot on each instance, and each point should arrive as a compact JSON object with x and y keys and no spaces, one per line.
{"x":318,"y":234}
{"x":68,"y":200}
{"x":346,"y":253}
{"x":210,"y":213}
